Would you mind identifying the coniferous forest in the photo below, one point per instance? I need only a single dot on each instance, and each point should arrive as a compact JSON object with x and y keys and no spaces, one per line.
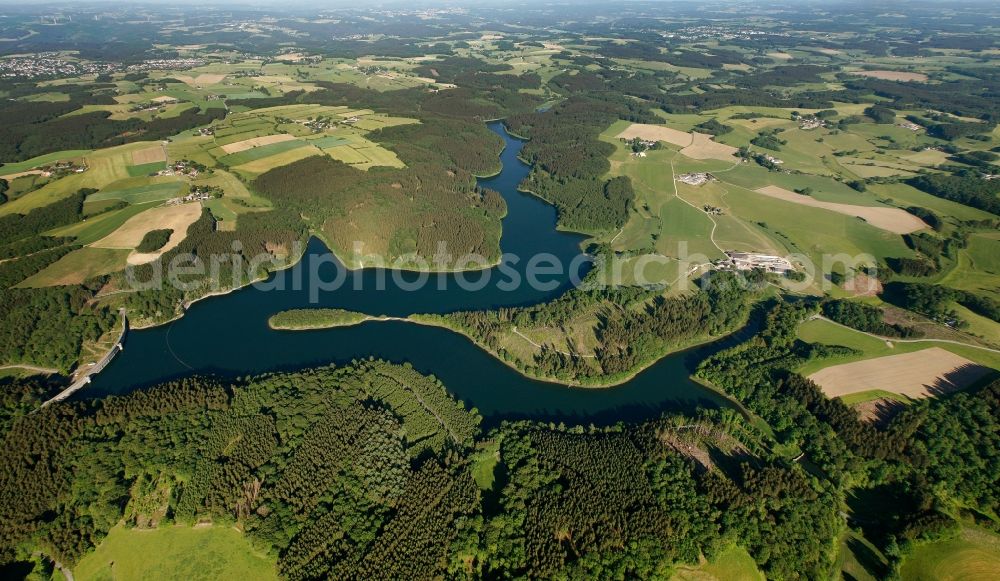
{"x":373,"y":471}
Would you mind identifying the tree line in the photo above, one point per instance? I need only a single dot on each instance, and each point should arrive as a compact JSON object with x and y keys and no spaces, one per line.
{"x":570,"y":162}
{"x":321,"y":468}
{"x":858,"y":458}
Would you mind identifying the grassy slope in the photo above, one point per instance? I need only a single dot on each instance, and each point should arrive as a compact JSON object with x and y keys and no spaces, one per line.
{"x":484,"y":464}
{"x":138,"y":194}
{"x":78,"y":266}
{"x":105,"y":167}
{"x":97,"y":227}
{"x":975,"y":554}
{"x":730,"y":564}
{"x":751,"y":221}
{"x":175,"y":552}
{"x":19,"y":166}
{"x":820,"y":331}
{"x":859,"y":559}
{"x":978,"y":267}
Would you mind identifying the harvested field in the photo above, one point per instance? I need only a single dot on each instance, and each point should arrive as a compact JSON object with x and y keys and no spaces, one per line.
{"x":656,"y":133}
{"x":862,"y":285}
{"x":702,"y":147}
{"x":130,"y":234}
{"x":890,"y":219}
{"x":164,"y":99}
{"x":346,"y":154}
{"x":893,"y":75}
{"x":152,"y":154}
{"x":256,"y":142}
{"x":924,"y":373}
{"x":695,"y":145}
{"x":261,"y":152}
{"x":261,"y":165}
{"x":202,"y":79}
{"x":780,"y":56}
{"x":209,"y":79}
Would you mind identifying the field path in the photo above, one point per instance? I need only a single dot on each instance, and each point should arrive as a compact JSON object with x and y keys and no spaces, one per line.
{"x":12,"y":258}
{"x":894,"y":340}
{"x":715,"y":225}
{"x":64,"y":570}
{"x":35,"y":368}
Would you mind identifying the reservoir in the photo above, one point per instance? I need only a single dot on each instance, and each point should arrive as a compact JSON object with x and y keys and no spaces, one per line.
{"x":228,"y":335}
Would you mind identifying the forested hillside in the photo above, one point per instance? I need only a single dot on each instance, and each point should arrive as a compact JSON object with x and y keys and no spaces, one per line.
{"x":373,"y":470}
{"x":632,"y":326}
{"x":935,"y":489}
{"x":395,"y":212}
{"x":715,"y":166}
{"x":570,"y":162}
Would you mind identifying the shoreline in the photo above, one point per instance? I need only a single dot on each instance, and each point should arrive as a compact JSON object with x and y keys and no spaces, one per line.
{"x":596,"y":382}
{"x":356,"y":268}
{"x":217,"y":293}
{"x":611,"y":383}
{"x":469,"y":338}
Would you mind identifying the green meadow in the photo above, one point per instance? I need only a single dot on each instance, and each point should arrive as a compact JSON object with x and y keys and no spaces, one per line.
{"x":973,"y":554}
{"x":146,"y":168}
{"x":97,"y":227}
{"x":78,"y":266}
{"x":260,"y":152}
{"x":140,"y":194}
{"x":729,"y":564}
{"x":19,"y":166}
{"x":827,"y":333}
{"x":175,"y":552}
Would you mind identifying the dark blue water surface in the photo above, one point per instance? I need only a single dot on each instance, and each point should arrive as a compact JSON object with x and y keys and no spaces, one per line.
{"x":229,"y":336}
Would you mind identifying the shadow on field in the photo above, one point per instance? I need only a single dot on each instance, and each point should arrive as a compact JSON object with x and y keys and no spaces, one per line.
{"x":867,"y":558}
{"x":959,"y":378}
